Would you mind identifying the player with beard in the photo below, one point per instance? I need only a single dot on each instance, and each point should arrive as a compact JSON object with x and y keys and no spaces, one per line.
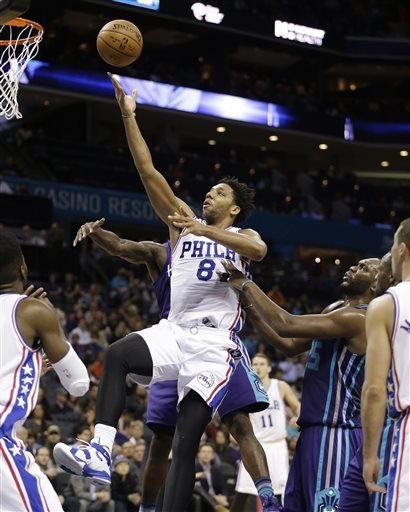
{"x":330,"y":406}
{"x":354,"y":496}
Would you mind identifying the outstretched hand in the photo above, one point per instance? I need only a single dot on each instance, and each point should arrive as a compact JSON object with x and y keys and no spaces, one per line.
{"x":35,"y":293}
{"x":185,"y":220}
{"x":127,"y":103}
{"x":86,"y":230}
{"x":233,"y":276}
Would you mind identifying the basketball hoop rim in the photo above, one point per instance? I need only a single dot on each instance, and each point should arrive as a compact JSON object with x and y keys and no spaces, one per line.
{"x":22,"y":22}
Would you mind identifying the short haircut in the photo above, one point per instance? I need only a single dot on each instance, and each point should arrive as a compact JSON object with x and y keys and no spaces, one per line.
{"x":404,"y":233}
{"x":263,"y":356}
{"x":243,"y":196}
{"x":202,"y":445}
{"x":11,"y":256}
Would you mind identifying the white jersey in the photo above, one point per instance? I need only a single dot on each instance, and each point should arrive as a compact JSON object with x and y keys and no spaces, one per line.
{"x":269,"y":425}
{"x":20,"y":367}
{"x":198,"y":296}
{"x":399,"y":376}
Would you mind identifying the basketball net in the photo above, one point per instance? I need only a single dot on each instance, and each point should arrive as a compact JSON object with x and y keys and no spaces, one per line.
{"x":19,"y":43}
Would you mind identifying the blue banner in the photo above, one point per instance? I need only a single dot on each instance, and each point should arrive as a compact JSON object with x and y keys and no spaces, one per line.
{"x":155,"y":94}
{"x":84,"y":204}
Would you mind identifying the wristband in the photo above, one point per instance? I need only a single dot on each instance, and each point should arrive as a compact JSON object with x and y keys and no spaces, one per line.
{"x":247,"y":306}
{"x":127,"y":116}
{"x":245,"y":283}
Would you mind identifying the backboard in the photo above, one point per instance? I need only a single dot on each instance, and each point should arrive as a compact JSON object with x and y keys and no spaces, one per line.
{"x":10,"y":9}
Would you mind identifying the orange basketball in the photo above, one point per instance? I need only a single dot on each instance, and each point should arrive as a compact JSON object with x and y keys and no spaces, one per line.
{"x":119,"y":43}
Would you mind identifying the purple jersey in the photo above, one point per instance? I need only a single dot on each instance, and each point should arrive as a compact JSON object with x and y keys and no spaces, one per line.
{"x":162,"y":286}
{"x":332,"y":385}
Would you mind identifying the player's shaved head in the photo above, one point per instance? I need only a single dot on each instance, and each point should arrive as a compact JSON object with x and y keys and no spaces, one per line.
{"x":360,"y":278}
{"x":11,"y":257}
{"x":384,"y":277}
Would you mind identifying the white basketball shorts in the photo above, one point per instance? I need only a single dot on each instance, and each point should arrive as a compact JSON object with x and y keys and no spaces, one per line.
{"x":277,"y":455}
{"x":200,"y":358}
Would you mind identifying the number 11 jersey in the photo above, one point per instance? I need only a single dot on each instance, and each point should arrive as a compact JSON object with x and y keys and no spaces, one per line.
{"x":198,"y":296}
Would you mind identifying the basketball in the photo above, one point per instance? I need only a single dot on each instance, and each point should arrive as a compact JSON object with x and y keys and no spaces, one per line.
{"x":119,"y":43}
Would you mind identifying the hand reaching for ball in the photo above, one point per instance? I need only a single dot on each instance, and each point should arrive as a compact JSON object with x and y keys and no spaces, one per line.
{"x":127,"y":103}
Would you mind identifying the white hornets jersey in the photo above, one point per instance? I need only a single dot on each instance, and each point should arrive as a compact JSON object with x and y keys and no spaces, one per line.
{"x":270,"y":425}
{"x":20,"y":367}
{"x":198,"y":296}
{"x":399,"y":375}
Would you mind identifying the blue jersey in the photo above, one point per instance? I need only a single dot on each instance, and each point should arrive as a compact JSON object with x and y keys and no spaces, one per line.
{"x":332,"y":385}
{"x":162,"y":286}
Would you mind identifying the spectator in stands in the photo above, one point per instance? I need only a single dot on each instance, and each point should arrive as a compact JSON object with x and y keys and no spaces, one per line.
{"x":53,"y":436}
{"x":36,"y":421}
{"x":138,"y":459}
{"x":4,"y":187}
{"x":119,"y":286}
{"x":64,"y":414}
{"x":26,"y":237}
{"x":82,"y":435}
{"x":136,"y":403}
{"x":136,"y":431}
{"x":127,"y":449}
{"x":32,"y":444}
{"x":84,"y":337}
{"x":224,"y":450}
{"x":124,"y":485}
{"x":40,"y":239}
{"x":58,"y":480}
{"x":55,"y":236}
{"x":47,"y":466}
{"x":210,"y":479}
{"x":92,"y":499}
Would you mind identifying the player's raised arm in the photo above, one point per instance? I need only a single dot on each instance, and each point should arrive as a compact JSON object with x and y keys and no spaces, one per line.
{"x":345,"y":322}
{"x":374,"y":399}
{"x":159,"y":192}
{"x":288,"y":346}
{"x":129,"y":250}
{"x":37,"y":319}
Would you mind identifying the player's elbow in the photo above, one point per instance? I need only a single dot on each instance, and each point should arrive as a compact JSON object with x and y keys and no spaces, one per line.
{"x":80,"y":387}
{"x":374,"y":392}
{"x":259,"y":251}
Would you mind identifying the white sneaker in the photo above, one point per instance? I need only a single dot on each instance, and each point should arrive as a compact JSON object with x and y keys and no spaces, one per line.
{"x":92,"y":461}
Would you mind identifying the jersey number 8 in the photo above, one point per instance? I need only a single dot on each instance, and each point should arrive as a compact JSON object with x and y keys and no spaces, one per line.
{"x":205,"y":270}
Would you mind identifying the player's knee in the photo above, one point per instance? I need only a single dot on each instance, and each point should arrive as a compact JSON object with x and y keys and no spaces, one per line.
{"x":119,"y":351}
{"x":240,"y":427}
